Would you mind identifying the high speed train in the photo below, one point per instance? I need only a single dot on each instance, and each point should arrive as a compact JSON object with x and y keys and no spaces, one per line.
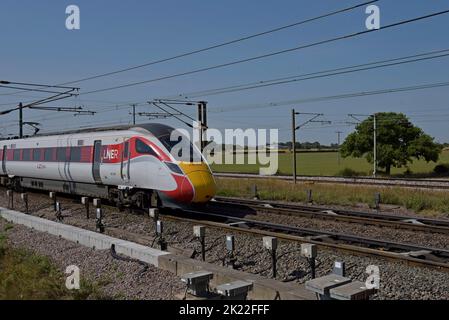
{"x":129,"y":165}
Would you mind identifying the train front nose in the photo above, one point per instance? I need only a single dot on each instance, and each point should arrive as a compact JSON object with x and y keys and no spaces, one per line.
{"x":201,"y":179}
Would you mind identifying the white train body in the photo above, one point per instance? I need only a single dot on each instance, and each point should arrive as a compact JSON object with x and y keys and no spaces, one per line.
{"x":96,"y":162}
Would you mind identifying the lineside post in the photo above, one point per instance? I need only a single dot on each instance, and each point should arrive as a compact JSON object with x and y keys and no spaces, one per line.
{"x":24,"y":198}
{"x":85,"y":202}
{"x":160,"y":234}
{"x":271,"y":244}
{"x":309,"y":196}
{"x":309,"y":251}
{"x":99,"y":225}
{"x":58,"y":211}
{"x":52,"y":196}
{"x":154,"y":214}
{"x":10,"y":194}
{"x":339,"y":268}
{"x":200,"y":233}
{"x":230,"y":247}
{"x":377,"y":200}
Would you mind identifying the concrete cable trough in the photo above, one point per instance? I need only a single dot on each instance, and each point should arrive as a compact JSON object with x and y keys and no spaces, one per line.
{"x":86,"y":238}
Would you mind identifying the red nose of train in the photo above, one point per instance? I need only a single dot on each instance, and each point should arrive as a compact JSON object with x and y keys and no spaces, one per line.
{"x":197,"y":185}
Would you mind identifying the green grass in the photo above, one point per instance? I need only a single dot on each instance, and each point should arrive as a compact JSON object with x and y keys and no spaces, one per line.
{"x":431,"y":203}
{"x":27,"y":276}
{"x":326,"y":164}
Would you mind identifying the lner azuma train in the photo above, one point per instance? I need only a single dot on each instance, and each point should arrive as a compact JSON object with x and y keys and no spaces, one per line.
{"x":129,"y":165}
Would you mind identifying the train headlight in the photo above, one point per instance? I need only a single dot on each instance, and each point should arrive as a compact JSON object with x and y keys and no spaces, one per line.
{"x":174,"y":167}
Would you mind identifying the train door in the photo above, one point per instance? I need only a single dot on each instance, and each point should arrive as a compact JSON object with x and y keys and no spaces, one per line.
{"x":96,"y":163}
{"x":63,"y":159}
{"x":4,"y":159}
{"x":126,"y":161}
{"x":69,"y":167}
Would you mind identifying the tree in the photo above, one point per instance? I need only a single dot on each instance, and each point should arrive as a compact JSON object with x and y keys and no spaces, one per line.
{"x":398,"y":142}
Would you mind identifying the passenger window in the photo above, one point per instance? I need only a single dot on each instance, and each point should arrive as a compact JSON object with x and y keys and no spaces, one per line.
{"x":48,"y":154}
{"x":143,"y":148}
{"x":61,"y":154}
{"x":75,"y":154}
{"x":16,"y":156}
{"x":26,"y":154}
{"x":37,"y":154}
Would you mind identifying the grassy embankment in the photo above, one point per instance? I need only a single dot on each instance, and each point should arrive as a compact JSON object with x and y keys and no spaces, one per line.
{"x":431,"y":203}
{"x":27,"y":276}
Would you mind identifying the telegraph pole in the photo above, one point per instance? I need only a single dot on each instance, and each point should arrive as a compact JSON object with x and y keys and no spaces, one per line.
{"x":202,"y":120}
{"x":20,"y":120}
{"x":134,"y":113}
{"x":338,"y":143}
{"x":375,"y":145}
{"x":294,"y":144}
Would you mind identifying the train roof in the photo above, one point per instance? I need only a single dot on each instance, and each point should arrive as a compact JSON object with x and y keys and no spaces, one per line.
{"x":156,"y":129}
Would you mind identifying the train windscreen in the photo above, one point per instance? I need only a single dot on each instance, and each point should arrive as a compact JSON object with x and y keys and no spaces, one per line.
{"x":178,"y":144}
{"x":180,"y":147}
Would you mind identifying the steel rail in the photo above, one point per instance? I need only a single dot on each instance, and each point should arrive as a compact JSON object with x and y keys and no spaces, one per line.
{"x":360,"y":217}
{"x":382,"y":182}
{"x":413,"y":254}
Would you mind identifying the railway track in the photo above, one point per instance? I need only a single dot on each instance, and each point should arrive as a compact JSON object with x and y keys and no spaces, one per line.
{"x":383,"y":182}
{"x":411,"y":254}
{"x":365,"y":218}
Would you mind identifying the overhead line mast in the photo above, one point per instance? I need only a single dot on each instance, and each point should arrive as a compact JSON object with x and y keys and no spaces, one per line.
{"x":314,"y":118}
{"x":62,"y":93}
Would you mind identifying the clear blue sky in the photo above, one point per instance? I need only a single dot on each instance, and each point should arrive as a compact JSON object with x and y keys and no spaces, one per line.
{"x":36,"y":47}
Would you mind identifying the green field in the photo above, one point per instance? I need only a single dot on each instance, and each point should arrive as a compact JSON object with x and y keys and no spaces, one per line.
{"x":25,"y":275}
{"x":327,"y":164}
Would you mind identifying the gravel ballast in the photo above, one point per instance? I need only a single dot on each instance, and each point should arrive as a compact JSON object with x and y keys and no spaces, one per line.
{"x":116,"y":279}
{"x":426,"y":239}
